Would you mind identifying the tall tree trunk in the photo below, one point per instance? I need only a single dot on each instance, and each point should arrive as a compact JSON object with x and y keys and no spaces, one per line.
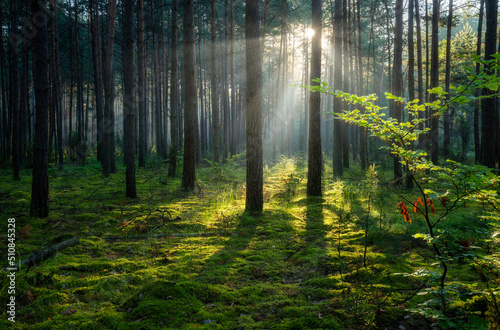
{"x":97,"y":57}
{"x":40,"y":185}
{"x":345,"y":48}
{"x":141,"y":91}
{"x":253,"y":51}
{"x":234,"y":122}
{"x":3,"y":81}
{"x":109,"y":94}
{"x":477,"y":137}
{"x":420,"y":75}
{"x":434,"y":79}
{"x":362,"y":136}
{"x":214,"y":82}
{"x":397,"y":79}
{"x":190,"y":94}
{"x":489,"y":127}
{"x":446,"y":116}
{"x":164,"y":105}
{"x":80,"y":143}
{"x":225,"y":82}
{"x":129,"y":95}
{"x":174,"y":95}
{"x":314,"y":159}
{"x":14,"y":88}
{"x":57,"y":94}
{"x":337,"y":105}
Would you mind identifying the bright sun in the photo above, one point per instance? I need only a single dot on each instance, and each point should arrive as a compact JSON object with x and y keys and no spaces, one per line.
{"x":310,"y":33}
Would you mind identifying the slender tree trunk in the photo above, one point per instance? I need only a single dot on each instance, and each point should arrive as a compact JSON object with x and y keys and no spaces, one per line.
{"x":3,"y":81}
{"x":190,"y":106}
{"x":214,"y":82}
{"x":225,"y":89}
{"x":345,"y":63}
{"x":337,"y":105}
{"x":174,"y":95}
{"x":420,"y":75}
{"x":477,"y":138}
{"x":40,"y":185}
{"x":97,"y":57}
{"x":314,"y":159}
{"x":80,"y":143}
{"x":234,"y":122}
{"x":129,"y":95}
{"x":362,"y":136}
{"x":255,"y":195}
{"x":109,"y":94}
{"x":446,"y":117}
{"x":14,"y":88}
{"x":141,"y":91}
{"x":397,"y":80}
{"x":434,"y":79}
{"x":489,"y":125}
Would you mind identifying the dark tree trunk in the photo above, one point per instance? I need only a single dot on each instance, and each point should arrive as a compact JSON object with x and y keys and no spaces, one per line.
{"x":190,"y":97}
{"x":234,"y":122}
{"x":446,"y":117}
{"x":109,"y":95}
{"x":141,"y":88}
{"x":80,"y":143}
{"x":40,"y":185}
{"x":345,"y":63}
{"x":477,"y":138}
{"x":489,"y":127}
{"x":420,"y":75}
{"x":14,"y":88}
{"x":434,"y":79}
{"x":397,"y":79}
{"x":3,"y":81}
{"x":338,"y":169}
{"x":129,"y":96}
{"x":362,"y":135}
{"x":174,"y":95}
{"x":255,"y":195}
{"x":314,"y":158}
{"x":97,"y":57}
{"x":214,"y":82}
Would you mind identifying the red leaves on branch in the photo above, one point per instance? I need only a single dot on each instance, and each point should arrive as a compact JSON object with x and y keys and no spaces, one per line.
{"x":445,"y":200}
{"x":404,"y":211}
{"x":415,"y":205}
{"x":431,"y":204}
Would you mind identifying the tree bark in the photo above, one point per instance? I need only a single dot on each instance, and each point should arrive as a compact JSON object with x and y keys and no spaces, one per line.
{"x":214,"y":82}
{"x":40,"y":185}
{"x":190,"y":97}
{"x":420,"y":75}
{"x":253,"y":48}
{"x":129,"y":96}
{"x":338,"y":169}
{"x":314,"y":159}
{"x":14,"y":88}
{"x":397,"y":79}
{"x":434,"y":79}
{"x":477,"y":137}
{"x":489,"y":127}
{"x":141,"y":88}
{"x":446,"y":116}
{"x":174,"y":95}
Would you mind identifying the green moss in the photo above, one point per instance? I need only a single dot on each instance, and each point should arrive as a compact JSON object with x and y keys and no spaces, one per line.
{"x":281,"y":270}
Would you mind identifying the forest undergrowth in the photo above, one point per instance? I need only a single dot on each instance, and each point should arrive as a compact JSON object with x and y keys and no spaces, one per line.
{"x":169,"y":259}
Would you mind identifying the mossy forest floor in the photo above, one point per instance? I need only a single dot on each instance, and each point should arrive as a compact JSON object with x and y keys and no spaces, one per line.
{"x":298,"y":266}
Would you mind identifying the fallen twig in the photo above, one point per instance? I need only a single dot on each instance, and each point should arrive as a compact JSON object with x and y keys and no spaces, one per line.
{"x":41,"y":255}
{"x":160,"y":236}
